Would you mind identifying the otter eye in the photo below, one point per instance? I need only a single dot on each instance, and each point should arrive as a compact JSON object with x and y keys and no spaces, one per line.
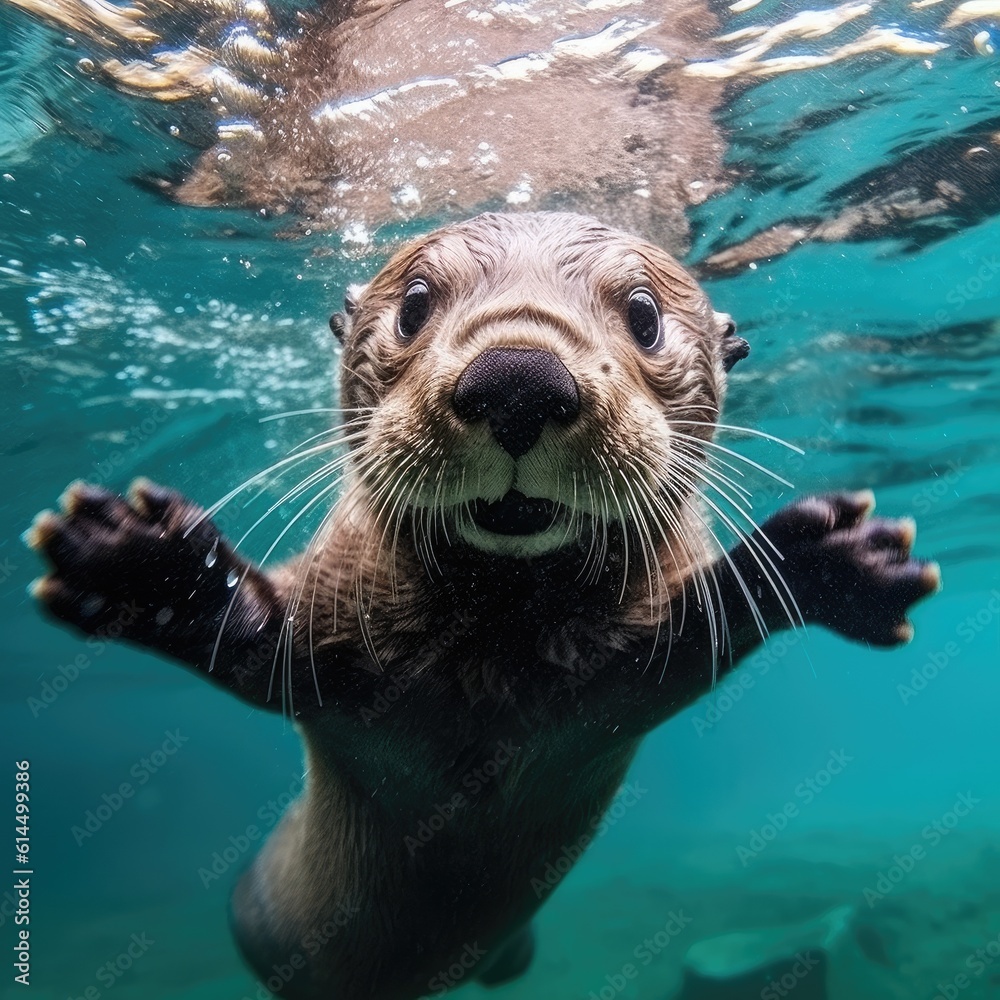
{"x":414,"y":309}
{"x":644,"y":318}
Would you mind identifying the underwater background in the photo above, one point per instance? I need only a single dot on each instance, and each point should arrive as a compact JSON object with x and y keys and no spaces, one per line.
{"x":141,"y":337}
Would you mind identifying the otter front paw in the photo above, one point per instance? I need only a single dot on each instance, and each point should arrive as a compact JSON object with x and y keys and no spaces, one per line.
{"x":849,"y":571}
{"x":149,"y":568}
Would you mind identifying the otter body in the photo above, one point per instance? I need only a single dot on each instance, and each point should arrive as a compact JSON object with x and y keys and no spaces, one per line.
{"x":520,"y":558}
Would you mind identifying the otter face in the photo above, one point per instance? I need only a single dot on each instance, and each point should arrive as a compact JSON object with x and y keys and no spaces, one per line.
{"x":523,"y":384}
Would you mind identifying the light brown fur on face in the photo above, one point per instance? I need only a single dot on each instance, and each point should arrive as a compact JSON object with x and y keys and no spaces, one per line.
{"x":555,"y":283}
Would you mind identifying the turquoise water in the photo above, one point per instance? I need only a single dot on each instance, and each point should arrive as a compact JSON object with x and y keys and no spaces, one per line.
{"x":140,"y":337}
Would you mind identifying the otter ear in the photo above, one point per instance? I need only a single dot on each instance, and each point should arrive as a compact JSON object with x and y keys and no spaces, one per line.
{"x":733,"y":348}
{"x":340,"y":322}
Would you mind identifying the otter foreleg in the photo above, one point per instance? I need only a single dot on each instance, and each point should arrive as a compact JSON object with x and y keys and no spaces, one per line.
{"x":154,"y":570}
{"x":821,"y":560}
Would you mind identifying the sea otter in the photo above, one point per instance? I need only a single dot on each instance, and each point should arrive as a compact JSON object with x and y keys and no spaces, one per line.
{"x":521,"y":549}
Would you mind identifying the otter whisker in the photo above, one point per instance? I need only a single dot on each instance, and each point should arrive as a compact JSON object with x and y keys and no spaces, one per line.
{"x":418,"y":515}
{"x":362,"y":616}
{"x":346,"y":439}
{"x":312,"y":554}
{"x":658,"y":505}
{"x":735,"y":454}
{"x":714,"y":460}
{"x":699,"y":581}
{"x":345,"y":367}
{"x":395,"y":488}
{"x":605,"y":531}
{"x":742,"y":430}
{"x":647,"y":546}
{"x":437,"y":506}
{"x":390,"y":491}
{"x":585,"y":573}
{"x":751,"y":601}
{"x":754,"y":609}
{"x":655,"y":507}
{"x":280,"y":464}
{"x":573,"y":516}
{"x":316,"y":410}
{"x":288,"y":670}
{"x":421,"y":532}
{"x":652,"y":508}
{"x":239,"y":582}
{"x":225,"y":620}
{"x":296,"y":491}
{"x":308,"y":558}
{"x":645,"y":536}
{"x":669,"y":486}
{"x":398,"y":513}
{"x":286,"y":633}
{"x":757,"y":530}
{"x":621,"y":514}
{"x":709,"y":470}
{"x":754,"y":547}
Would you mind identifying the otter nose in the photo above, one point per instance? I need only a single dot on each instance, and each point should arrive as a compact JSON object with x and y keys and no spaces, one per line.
{"x":517,"y":390}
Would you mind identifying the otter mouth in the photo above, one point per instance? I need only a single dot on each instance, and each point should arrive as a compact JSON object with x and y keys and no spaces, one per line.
{"x":515,"y":514}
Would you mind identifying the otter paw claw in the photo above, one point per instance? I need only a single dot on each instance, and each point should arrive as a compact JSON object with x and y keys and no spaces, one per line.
{"x":850,"y":571}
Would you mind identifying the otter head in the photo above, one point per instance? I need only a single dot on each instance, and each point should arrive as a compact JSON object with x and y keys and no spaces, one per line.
{"x":526,"y":384}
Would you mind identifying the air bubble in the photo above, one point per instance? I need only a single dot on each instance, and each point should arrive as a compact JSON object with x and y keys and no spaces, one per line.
{"x":232,"y":578}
